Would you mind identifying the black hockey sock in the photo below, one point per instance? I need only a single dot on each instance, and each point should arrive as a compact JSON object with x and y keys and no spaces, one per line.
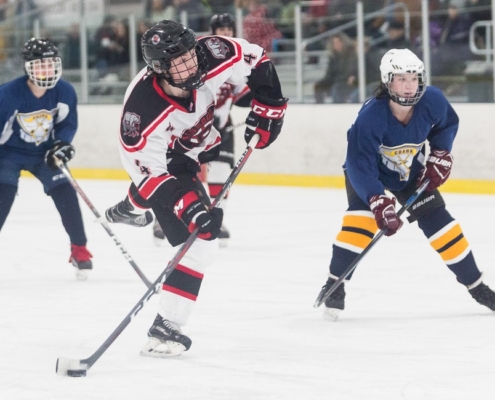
{"x":7,"y":196}
{"x":65,"y":199}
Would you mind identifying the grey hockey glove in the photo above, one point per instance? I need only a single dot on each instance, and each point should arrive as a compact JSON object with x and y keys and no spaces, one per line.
{"x":62,"y":151}
{"x":266,"y":119}
{"x":383,"y":208}
{"x":437,"y":169}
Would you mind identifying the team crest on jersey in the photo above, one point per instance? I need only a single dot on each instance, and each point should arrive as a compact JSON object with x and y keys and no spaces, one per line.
{"x":400,"y":158}
{"x":201,"y":128}
{"x":36,"y":126}
{"x":218,"y":48}
{"x":131,"y":125}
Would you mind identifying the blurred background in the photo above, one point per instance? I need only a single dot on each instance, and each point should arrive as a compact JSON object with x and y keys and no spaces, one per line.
{"x":326,"y":51}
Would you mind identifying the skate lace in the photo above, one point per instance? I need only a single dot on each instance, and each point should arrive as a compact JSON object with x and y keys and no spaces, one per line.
{"x":171,"y":326}
{"x":79,"y":253}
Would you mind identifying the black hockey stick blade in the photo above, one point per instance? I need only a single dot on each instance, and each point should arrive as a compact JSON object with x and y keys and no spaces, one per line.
{"x":103,"y":222}
{"x":326,"y":292}
{"x":78,"y":368}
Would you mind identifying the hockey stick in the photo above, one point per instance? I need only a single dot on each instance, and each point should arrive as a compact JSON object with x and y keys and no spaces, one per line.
{"x":323,"y":295}
{"x":77,"y":368}
{"x":102,"y":221}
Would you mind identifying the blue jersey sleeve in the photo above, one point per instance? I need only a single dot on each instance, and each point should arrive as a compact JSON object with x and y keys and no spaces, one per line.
{"x":65,"y":126}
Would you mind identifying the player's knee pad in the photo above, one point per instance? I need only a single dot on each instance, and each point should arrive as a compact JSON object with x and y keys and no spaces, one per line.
{"x":445,"y":235}
{"x":358,"y":229}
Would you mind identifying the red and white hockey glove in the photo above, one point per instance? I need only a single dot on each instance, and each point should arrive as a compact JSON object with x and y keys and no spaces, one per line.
{"x":266,"y":119}
{"x":191,"y":210}
{"x":383,"y":208}
{"x":437,"y":169}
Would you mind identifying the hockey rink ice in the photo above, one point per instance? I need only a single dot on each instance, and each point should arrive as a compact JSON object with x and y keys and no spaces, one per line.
{"x":409,"y":331}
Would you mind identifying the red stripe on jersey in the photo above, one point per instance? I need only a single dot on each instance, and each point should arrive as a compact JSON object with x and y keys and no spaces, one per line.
{"x":215,"y":189}
{"x":179,"y":292}
{"x":161,"y":93}
{"x":150,"y":184}
{"x":228,"y":63}
{"x":189,"y":271}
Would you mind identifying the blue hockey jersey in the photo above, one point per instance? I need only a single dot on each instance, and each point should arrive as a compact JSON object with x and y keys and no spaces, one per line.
{"x":384,"y":154}
{"x":30,"y":125}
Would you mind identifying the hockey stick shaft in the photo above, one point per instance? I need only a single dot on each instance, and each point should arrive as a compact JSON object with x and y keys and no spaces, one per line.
{"x":103,"y":223}
{"x":319,"y":301}
{"x":65,"y":364}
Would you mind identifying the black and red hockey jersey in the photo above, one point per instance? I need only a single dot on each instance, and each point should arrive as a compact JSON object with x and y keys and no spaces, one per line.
{"x":156,"y":127}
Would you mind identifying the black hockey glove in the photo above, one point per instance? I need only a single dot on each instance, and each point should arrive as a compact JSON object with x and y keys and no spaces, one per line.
{"x":437,"y":169}
{"x":383,"y":208}
{"x":266,"y":119}
{"x":195,"y":214}
{"x":62,"y":151}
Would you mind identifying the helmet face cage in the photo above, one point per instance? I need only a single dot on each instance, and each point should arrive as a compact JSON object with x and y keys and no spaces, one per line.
{"x":222,"y":20}
{"x":399,"y":62}
{"x":42,"y":64}
{"x":166,"y":45}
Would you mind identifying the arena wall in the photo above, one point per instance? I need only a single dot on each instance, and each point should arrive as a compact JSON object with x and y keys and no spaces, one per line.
{"x":309,"y":152}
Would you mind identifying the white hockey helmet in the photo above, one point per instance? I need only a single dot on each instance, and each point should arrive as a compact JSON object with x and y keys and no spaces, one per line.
{"x":402,"y":61}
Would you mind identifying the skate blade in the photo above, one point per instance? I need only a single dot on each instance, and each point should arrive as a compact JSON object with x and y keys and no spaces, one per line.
{"x":223,"y":242}
{"x":159,"y":242}
{"x":157,"y":349}
{"x":82,"y":274}
{"x":331,"y":314}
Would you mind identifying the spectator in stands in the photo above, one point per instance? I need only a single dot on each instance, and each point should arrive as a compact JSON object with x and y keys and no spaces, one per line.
{"x":258,"y":28}
{"x":479,"y":10}
{"x":112,"y":53}
{"x":338,"y":82}
{"x":396,"y":37}
{"x":372,"y":59}
{"x":453,"y":48}
{"x":158,"y":10}
{"x":72,"y":48}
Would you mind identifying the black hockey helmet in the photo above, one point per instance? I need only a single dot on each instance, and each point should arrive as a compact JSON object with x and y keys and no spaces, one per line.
{"x":47,"y":73}
{"x":36,"y":49}
{"x":222,"y":20}
{"x":164,"y":42}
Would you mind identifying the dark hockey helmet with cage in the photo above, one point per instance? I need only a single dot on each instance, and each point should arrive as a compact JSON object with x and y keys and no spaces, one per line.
{"x":222,"y":20}
{"x":40,"y":57}
{"x":164,"y":42}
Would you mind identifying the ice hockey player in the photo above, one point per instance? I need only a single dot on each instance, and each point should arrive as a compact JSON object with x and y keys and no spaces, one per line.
{"x":386,"y":151}
{"x":38,"y":115}
{"x":216,"y":172}
{"x":167,"y":132}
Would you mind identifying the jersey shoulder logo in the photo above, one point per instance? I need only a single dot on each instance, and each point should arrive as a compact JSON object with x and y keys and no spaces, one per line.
{"x":131,"y":128}
{"x":217,"y":48}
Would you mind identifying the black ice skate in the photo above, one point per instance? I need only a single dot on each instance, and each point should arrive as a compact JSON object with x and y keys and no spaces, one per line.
{"x":122,"y":213}
{"x":165,"y":340}
{"x":483,"y":295}
{"x":224,"y":236}
{"x":80,"y":258}
{"x":335,"y":303}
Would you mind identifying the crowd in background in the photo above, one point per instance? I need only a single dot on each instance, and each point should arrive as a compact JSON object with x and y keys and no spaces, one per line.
{"x":270,"y":23}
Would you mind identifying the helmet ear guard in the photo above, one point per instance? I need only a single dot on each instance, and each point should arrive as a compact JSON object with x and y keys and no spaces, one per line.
{"x":42,"y":63}
{"x":402,"y":61}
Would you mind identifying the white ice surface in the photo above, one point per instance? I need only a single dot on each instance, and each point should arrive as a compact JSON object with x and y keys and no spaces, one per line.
{"x":409,"y":331}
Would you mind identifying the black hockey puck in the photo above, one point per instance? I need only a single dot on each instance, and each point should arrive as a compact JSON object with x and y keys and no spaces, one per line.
{"x":76,"y":373}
